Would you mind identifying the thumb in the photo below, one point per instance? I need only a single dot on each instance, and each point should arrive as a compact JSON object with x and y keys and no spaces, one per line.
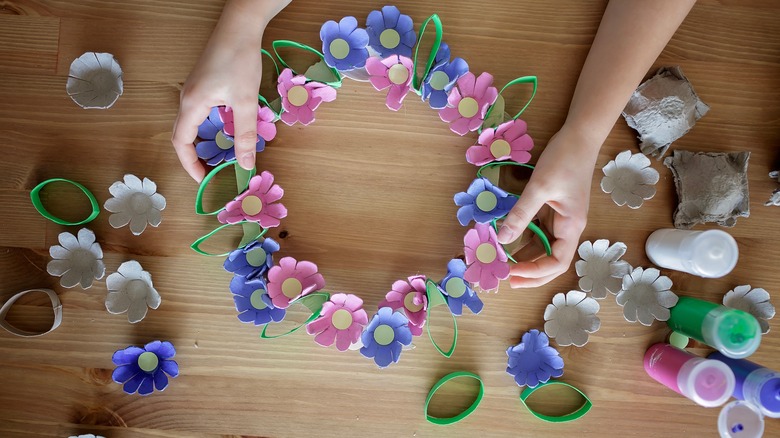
{"x":520,"y":216}
{"x":245,"y":120}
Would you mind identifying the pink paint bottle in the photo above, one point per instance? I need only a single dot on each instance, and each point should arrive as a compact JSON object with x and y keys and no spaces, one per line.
{"x":707,"y":382}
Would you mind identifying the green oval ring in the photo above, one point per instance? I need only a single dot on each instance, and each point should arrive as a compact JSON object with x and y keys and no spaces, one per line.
{"x":466,"y":412}
{"x":35,"y":197}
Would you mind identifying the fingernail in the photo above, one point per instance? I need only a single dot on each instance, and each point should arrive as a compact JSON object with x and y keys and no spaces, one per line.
{"x":248,"y":161}
{"x":506,"y":235}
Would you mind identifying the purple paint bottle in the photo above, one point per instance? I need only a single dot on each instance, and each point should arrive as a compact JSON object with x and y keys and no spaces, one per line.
{"x":755,"y":384}
{"x":707,"y":382}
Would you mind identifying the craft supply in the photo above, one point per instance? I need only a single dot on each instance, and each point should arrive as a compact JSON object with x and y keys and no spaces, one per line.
{"x":35,"y":197}
{"x":55,"y":304}
{"x":775,"y":198}
{"x":578,"y":413}
{"x":601,"y":270}
{"x":571,"y":317}
{"x":753,"y":301}
{"x":755,"y":384}
{"x":707,"y":382}
{"x":708,"y":254}
{"x":130,"y":290}
{"x":645,"y":296}
{"x":629,"y":179}
{"x":733,"y":332}
{"x":146,"y":368}
{"x":533,"y":361}
{"x":76,"y":260}
{"x":95,"y":80}
{"x":740,"y":419}
{"x":134,"y":202}
{"x":466,"y":412}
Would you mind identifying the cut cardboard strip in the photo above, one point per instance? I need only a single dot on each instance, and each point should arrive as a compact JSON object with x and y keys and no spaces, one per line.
{"x":577,"y":414}
{"x":35,"y":197}
{"x":442,"y":421}
{"x":242,"y":182}
{"x":95,"y":80}
{"x":313,"y":302}
{"x":629,"y":179}
{"x":436,"y":299}
{"x":196,"y":244}
{"x":55,"y":304}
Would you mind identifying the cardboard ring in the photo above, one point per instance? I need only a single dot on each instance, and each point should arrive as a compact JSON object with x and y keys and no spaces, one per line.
{"x":35,"y":197}
{"x":55,"y":304}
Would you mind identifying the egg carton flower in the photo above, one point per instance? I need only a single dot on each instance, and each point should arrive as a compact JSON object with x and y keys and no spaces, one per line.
{"x":457,"y":290}
{"x":266,"y":128}
{"x":753,"y":301}
{"x":257,"y":204}
{"x":252,"y":301}
{"x":394,"y":73}
{"x":87,"y":435}
{"x":390,"y":32}
{"x":385,"y":337}
{"x":216,"y":145}
{"x":341,"y":321}
{"x":507,"y":141}
{"x":411,"y":298}
{"x":601,"y":271}
{"x":300,"y":98}
{"x":485,"y":258}
{"x":468,"y":102}
{"x":630,"y":179}
{"x":130,"y":290}
{"x":571,"y":317}
{"x":253,"y":260}
{"x":344,"y":44}
{"x":483,"y":202}
{"x":646,"y":296}
{"x":145,"y":369}
{"x":76,"y":260}
{"x":291,"y":279}
{"x":533,"y":361}
{"x":135,"y":202}
{"x":441,"y":78}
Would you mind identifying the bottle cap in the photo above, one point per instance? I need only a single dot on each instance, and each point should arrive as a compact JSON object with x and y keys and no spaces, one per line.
{"x":740,"y":419}
{"x":738,"y":333}
{"x":769,"y":396}
{"x":715,"y":254}
{"x":710,"y":383}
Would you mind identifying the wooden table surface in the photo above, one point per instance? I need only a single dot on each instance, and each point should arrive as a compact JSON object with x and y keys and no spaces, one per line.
{"x":369,"y":193}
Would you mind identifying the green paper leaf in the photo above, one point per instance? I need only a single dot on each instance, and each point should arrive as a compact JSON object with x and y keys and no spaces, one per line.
{"x":242,"y":182}
{"x":311,"y":304}
{"x":334,"y":79}
{"x":196,"y":245}
{"x":436,"y":299}
{"x":495,"y":114}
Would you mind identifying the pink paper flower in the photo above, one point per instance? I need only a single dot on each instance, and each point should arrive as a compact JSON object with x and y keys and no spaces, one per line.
{"x":301,"y":98}
{"x":486,"y":259}
{"x":342,"y":320}
{"x":411,"y":297}
{"x":395,"y":72}
{"x":266,"y":127}
{"x":468,"y":102}
{"x":291,"y":279}
{"x":257,"y":203}
{"x":509,"y":140}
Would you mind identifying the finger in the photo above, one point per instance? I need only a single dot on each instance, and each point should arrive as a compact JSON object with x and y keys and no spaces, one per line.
{"x":563,"y":250}
{"x":520,"y":282}
{"x":518,"y":218}
{"x":185,"y":129}
{"x":245,"y":119}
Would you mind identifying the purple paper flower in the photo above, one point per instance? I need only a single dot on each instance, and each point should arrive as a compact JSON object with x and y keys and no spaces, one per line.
{"x":252,"y":260}
{"x":252,"y":301}
{"x":390,"y":32}
{"x":344,"y":44}
{"x":533,"y":361}
{"x":145,"y":369}
{"x":385,"y":336}
{"x":442,"y":77}
{"x":483,"y":202}
{"x":217,"y":145}
{"x":457,"y":290}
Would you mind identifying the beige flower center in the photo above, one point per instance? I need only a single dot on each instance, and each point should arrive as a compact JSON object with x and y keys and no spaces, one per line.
{"x":291,"y":288}
{"x":384,"y":334}
{"x":439,"y":80}
{"x":298,"y":95}
{"x":339,"y":48}
{"x":398,"y":74}
{"x":468,"y":107}
{"x":256,"y":299}
{"x":222,"y":140}
{"x":148,"y":361}
{"x":252,"y":205}
{"x":486,"y":253}
{"x":410,"y":304}
{"x":455,"y":287}
{"x":341,"y":319}
{"x":390,"y":38}
{"x":500,"y":148}
{"x":256,"y":257}
{"x":486,"y":201}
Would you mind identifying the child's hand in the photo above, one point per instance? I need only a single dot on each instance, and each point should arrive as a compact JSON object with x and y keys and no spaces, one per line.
{"x":559,"y":192}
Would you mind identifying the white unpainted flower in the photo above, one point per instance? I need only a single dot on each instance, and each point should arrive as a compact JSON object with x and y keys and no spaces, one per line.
{"x":601,"y":269}
{"x":77,"y":259}
{"x":135,"y":202}
{"x":630,"y":179}
{"x":130,"y":290}
{"x":753,"y":301}
{"x":646,"y":296}
{"x":571,"y":317}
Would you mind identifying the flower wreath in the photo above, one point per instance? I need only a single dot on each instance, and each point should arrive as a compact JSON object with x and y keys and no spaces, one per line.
{"x":385,"y":54}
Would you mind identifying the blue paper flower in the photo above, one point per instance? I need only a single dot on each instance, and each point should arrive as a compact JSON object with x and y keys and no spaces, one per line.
{"x":442,"y":77}
{"x":483,"y":202}
{"x":252,"y":301}
{"x":344,"y":44}
{"x":533,"y":361}
{"x":385,"y":337}
{"x":458,"y":290}
{"x":217,"y":146}
{"x":145,"y":369}
{"x":252,"y":260}
{"x":390,"y":32}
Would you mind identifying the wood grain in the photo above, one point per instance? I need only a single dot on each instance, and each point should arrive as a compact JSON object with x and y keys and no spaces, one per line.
{"x":370,"y":198}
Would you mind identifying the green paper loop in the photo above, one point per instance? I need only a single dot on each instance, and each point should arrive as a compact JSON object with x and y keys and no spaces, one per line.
{"x":417,"y":80}
{"x":451,"y":420}
{"x":313,"y":302}
{"x":334,"y":81}
{"x":274,"y":105}
{"x":436,"y":298}
{"x":579,"y":413}
{"x":500,"y":103}
{"x":35,"y":197}
{"x":242,"y":182}
{"x":196,"y":244}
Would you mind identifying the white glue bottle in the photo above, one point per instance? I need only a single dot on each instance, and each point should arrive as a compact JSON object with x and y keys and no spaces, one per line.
{"x":708,"y":254}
